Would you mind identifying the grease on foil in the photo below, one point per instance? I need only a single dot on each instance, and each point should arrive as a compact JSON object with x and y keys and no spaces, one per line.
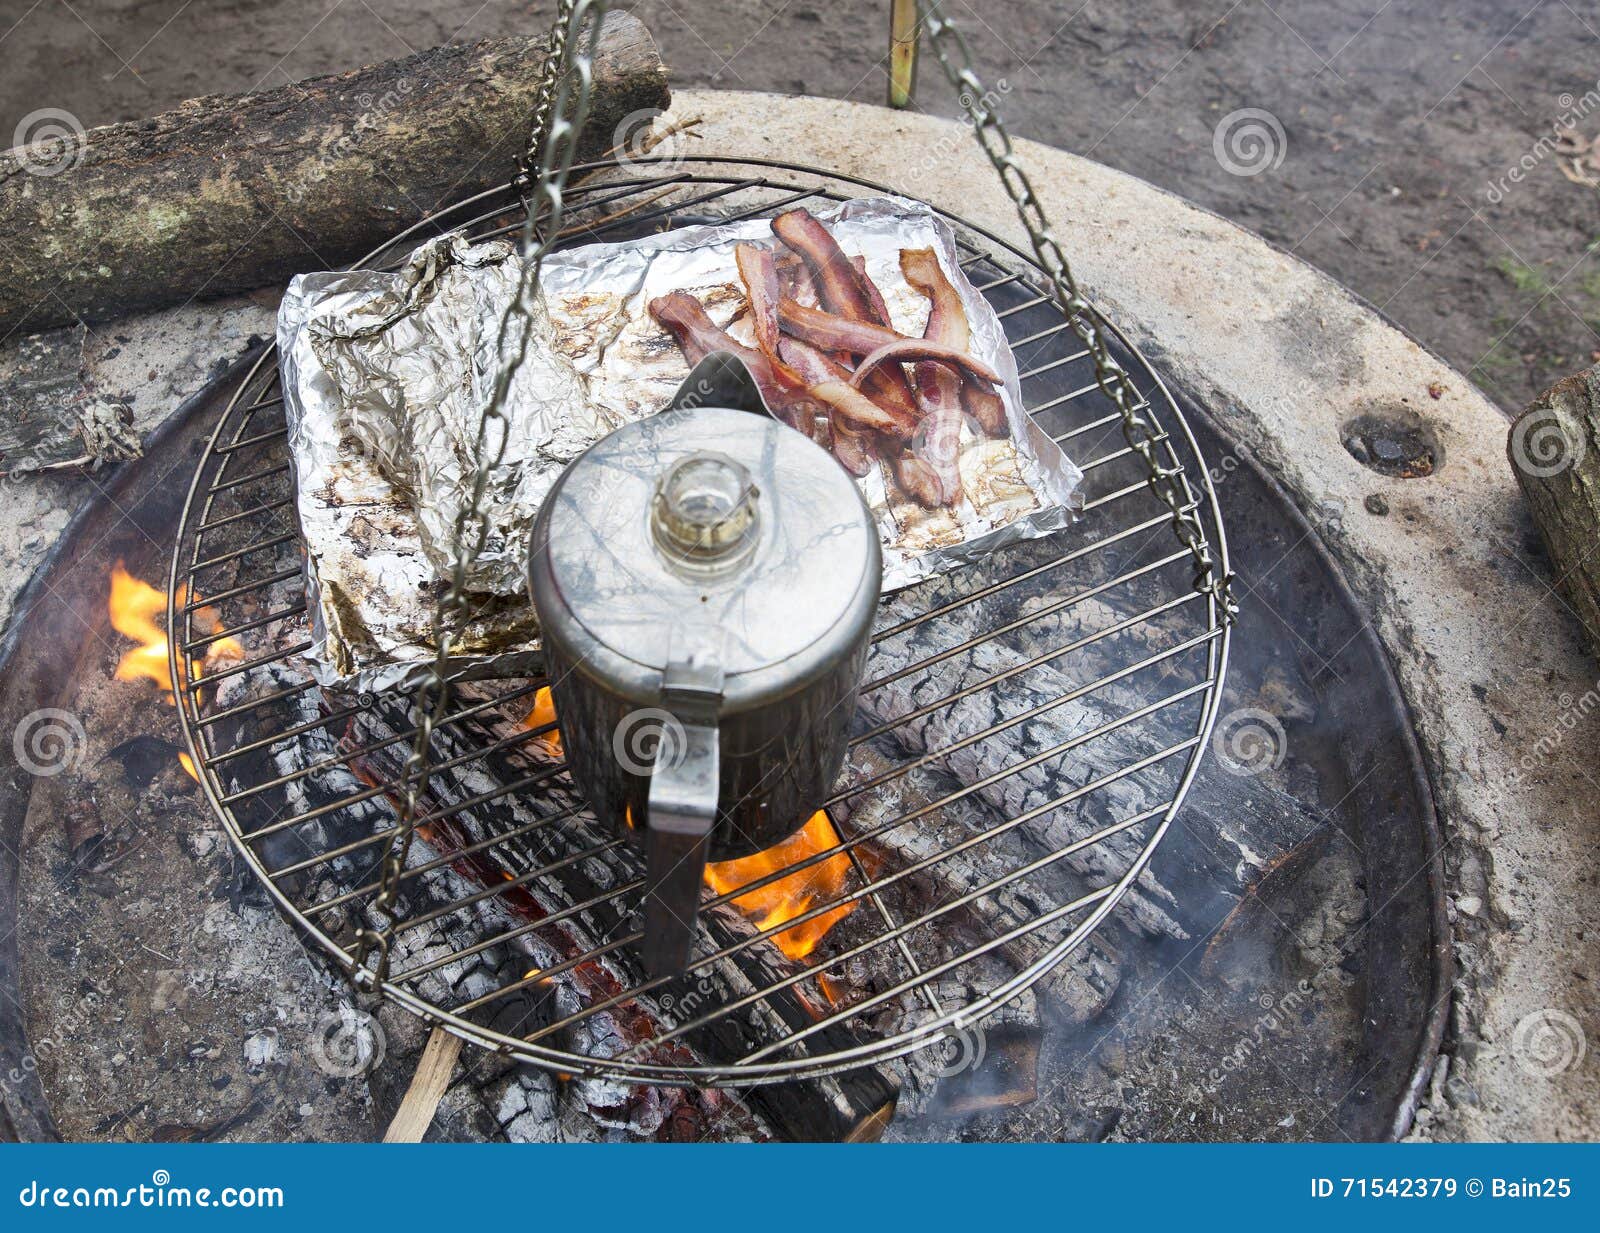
{"x":384,"y":375}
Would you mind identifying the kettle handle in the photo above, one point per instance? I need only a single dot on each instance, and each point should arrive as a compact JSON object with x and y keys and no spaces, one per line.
{"x":681,"y":814}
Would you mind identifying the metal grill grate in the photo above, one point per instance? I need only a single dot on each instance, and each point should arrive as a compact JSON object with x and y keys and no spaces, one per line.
{"x":1028,"y":731}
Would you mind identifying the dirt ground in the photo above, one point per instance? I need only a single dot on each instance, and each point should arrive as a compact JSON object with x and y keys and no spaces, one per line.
{"x":1401,"y":120}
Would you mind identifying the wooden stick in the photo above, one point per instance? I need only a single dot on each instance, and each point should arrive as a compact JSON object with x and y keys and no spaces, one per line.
{"x":903,"y":33}
{"x":428,"y":1086}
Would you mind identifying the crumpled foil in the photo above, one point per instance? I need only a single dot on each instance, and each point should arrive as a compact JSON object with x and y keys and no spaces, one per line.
{"x":384,"y":375}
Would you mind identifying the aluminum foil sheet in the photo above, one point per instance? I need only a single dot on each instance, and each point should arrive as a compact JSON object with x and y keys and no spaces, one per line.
{"x":384,"y":375}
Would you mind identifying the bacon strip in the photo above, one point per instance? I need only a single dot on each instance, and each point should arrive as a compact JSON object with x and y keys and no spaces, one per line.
{"x":880,"y":310}
{"x":841,"y":287}
{"x":858,"y":409}
{"x":934,"y":476}
{"x":760,"y":274}
{"x":947,"y":324}
{"x":853,"y":450}
{"x":947,"y":319}
{"x":903,"y":350}
{"x":684,"y":317}
{"x":833,"y":333}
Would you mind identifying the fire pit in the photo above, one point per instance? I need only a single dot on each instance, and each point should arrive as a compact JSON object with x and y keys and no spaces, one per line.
{"x":1028,"y":731}
{"x":1251,"y":860}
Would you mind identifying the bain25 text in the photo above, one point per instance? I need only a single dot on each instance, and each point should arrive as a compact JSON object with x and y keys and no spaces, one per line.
{"x":1439,"y":1187}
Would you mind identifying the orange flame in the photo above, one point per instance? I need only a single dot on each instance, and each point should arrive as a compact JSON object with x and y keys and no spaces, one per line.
{"x":185,"y":761}
{"x":544,"y":712}
{"x":776,"y":902}
{"x":134,"y":606}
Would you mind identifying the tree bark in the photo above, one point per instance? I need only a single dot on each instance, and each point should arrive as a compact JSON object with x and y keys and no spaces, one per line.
{"x":232,"y":192}
{"x":1554,"y":448}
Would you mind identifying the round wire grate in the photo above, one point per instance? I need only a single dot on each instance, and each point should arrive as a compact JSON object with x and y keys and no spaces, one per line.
{"x":1029,"y":728}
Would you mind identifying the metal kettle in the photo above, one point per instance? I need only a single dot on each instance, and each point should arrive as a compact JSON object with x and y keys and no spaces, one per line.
{"x":705,"y":581}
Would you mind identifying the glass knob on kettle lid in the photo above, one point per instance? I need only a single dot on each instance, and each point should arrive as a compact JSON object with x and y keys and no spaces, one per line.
{"x":705,"y":514}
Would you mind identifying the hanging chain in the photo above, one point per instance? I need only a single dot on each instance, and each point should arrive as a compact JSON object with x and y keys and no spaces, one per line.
{"x":544,"y":97}
{"x":561,"y":106}
{"x":955,"y":58}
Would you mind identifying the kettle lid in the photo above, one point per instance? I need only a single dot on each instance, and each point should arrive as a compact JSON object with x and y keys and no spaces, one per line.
{"x":712,"y":519}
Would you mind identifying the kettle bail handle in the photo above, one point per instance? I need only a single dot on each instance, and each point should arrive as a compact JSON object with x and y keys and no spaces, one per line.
{"x":682,"y":809}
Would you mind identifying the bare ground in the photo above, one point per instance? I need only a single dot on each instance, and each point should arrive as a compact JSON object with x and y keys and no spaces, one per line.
{"x":1400,"y":119}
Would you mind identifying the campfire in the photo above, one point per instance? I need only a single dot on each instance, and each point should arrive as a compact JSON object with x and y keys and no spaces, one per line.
{"x":135,"y":607}
{"x":772,"y":904}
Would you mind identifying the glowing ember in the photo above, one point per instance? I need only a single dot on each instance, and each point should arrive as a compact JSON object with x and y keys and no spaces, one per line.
{"x":770,"y":905}
{"x":134,"y":607}
{"x":544,"y":712}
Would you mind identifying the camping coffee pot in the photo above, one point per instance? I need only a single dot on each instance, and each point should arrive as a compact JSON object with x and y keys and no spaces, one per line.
{"x":705,"y":581}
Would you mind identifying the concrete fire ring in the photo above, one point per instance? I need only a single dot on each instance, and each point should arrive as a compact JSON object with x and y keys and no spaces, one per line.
{"x":1283,"y":360}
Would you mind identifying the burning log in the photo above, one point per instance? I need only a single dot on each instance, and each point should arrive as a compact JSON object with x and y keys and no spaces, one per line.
{"x":852,"y":1107}
{"x":447,"y":946}
{"x":1200,"y":878}
{"x":947,"y":731}
{"x":228,"y":193}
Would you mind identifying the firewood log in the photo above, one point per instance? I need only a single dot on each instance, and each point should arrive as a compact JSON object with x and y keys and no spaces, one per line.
{"x":851,"y":1106}
{"x":230,"y":192}
{"x":1554,"y":448}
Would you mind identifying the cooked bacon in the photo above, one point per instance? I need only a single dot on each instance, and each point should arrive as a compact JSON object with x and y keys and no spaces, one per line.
{"x":947,"y":324}
{"x":831,"y":332}
{"x":880,"y":310}
{"x":810,"y":364}
{"x":845,"y":290}
{"x":937,"y":445}
{"x":760,"y":274}
{"x":842,"y":288}
{"x":905,"y":350}
{"x":987,"y":410}
{"x":947,"y":319}
{"x":919,"y":480}
{"x":853,"y":450}
{"x":684,"y":317}
{"x":861,"y":412}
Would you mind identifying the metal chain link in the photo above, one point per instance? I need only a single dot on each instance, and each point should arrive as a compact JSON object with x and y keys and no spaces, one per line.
{"x":955,"y":58}
{"x":567,"y":82}
{"x":544,"y":97}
